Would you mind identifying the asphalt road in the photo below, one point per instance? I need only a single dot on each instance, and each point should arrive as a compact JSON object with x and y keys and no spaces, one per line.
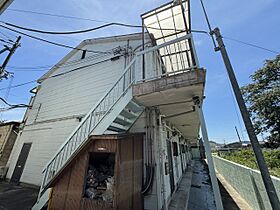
{"x":15,"y":197}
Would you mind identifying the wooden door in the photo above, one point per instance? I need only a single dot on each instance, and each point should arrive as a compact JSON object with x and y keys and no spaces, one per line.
{"x":170,"y":163}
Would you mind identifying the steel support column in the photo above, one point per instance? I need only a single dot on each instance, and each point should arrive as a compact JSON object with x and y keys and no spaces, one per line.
{"x":212,"y":172}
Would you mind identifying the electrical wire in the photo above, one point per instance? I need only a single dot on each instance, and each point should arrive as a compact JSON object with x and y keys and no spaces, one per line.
{"x":252,"y":45}
{"x":56,"y":15}
{"x":13,"y":105}
{"x":57,"y":75}
{"x":19,"y":85}
{"x":30,"y":67}
{"x":208,"y":23}
{"x":65,"y":64}
{"x":50,"y":42}
{"x":89,"y":29}
{"x":239,"y":41}
{"x":6,"y":42}
{"x":9,"y":38}
{"x":10,"y":108}
{"x":32,"y":70}
{"x":235,"y":109}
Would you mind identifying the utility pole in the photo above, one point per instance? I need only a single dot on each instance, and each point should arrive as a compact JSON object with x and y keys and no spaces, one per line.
{"x":3,"y":73}
{"x":238,"y":134}
{"x":270,"y":189}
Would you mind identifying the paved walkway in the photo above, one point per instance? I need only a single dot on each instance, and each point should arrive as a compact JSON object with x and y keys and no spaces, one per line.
{"x":15,"y":197}
{"x":180,"y":199}
{"x":201,"y":193}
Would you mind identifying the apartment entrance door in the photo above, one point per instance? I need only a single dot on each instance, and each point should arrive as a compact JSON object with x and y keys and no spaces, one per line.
{"x":21,"y":162}
{"x":170,"y":163}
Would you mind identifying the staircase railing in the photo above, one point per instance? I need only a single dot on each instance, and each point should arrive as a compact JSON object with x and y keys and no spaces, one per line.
{"x":88,"y":124}
{"x":77,"y":138}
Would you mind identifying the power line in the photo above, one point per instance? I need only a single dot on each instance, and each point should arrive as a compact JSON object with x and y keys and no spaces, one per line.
{"x":51,"y":42}
{"x":116,"y":50}
{"x":12,"y":105}
{"x":89,"y":29}
{"x":8,"y":35}
{"x":19,"y":85}
{"x":56,"y":15}
{"x":252,"y":45}
{"x":239,"y":41}
{"x":10,"y":108}
{"x":29,"y":67}
{"x":9,"y":38}
{"x":32,"y":70}
{"x":60,"y":74}
{"x":4,"y":41}
{"x":62,"y":65}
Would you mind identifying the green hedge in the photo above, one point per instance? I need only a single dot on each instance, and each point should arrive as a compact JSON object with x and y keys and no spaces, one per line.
{"x":247,"y":158}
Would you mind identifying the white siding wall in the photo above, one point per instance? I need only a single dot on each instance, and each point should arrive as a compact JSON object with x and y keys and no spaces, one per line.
{"x":58,"y":103}
{"x":154,"y":199}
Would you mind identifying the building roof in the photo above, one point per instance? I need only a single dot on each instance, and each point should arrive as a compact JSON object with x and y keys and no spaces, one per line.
{"x":119,"y":38}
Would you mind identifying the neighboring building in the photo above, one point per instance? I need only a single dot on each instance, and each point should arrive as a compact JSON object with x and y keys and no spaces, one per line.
{"x":214,"y":145}
{"x":98,"y":105}
{"x":8,"y":135}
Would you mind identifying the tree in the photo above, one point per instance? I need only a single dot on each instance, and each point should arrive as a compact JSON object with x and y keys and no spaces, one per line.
{"x":262,"y":98}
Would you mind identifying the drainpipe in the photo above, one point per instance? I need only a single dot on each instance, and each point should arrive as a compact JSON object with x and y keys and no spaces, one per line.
{"x":160,"y":129}
{"x":212,"y":172}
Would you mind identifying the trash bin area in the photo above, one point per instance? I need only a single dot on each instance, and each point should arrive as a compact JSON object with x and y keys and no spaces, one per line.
{"x":105,"y":174}
{"x":100,"y":177}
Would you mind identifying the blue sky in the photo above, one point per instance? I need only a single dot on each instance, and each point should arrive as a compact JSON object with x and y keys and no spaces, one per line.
{"x":254,"y":21}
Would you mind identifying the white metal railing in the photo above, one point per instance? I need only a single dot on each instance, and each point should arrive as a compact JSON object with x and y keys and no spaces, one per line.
{"x":104,"y":106}
{"x":90,"y":121}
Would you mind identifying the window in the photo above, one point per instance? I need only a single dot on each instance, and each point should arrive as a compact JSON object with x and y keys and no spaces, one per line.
{"x":83,"y":54}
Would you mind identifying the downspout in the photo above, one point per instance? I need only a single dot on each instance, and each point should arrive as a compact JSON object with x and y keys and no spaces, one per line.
{"x":149,"y":165}
{"x":160,"y":129}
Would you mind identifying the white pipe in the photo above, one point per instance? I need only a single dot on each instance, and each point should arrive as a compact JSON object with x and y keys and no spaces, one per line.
{"x":160,"y":130}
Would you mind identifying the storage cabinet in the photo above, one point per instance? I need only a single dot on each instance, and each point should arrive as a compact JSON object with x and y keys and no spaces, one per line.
{"x":125,"y":152}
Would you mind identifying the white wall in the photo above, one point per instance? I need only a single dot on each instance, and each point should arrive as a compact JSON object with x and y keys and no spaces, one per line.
{"x":60,"y":101}
{"x":154,"y":199}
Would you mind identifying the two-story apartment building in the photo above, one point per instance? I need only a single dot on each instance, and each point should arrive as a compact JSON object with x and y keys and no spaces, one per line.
{"x":120,"y":107}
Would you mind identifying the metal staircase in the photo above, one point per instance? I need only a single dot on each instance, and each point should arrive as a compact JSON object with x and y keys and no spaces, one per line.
{"x":114,"y":113}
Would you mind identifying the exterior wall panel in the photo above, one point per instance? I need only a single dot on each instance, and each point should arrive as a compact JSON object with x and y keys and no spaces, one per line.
{"x":61,"y":100}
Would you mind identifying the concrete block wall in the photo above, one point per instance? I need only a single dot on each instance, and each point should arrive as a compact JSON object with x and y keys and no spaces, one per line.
{"x":247,"y":182}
